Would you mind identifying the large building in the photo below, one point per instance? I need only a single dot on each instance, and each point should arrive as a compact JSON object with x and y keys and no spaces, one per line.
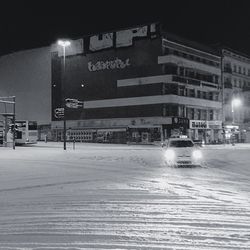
{"x":236,"y":79}
{"x":137,"y":85}
{"x":27,"y":75}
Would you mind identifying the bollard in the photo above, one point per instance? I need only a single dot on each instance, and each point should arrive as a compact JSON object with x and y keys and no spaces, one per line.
{"x":74,"y":141}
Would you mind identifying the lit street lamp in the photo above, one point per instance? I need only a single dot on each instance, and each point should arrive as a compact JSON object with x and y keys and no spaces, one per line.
{"x":236,"y":102}
{"x":64,"y":44}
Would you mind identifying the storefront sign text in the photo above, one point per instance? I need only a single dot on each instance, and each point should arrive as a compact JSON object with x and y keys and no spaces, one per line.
{"x":198,"y":124}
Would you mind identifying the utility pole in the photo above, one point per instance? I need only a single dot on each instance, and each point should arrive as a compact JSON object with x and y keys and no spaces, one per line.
{"x":14,"y":122}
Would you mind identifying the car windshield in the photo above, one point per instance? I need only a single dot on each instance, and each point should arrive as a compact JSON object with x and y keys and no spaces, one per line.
{"x":181,"y":143}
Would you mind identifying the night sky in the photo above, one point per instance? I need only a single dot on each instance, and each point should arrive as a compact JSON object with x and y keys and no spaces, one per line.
{"x":40,"y":24}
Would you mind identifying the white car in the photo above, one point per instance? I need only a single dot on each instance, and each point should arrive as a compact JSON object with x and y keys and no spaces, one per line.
{"x":182,"y":152}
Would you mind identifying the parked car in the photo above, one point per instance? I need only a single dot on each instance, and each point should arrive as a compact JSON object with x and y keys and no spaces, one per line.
{"x":182,"y":152}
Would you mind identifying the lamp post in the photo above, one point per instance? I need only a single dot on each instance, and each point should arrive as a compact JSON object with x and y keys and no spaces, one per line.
{"x":64,"y":44}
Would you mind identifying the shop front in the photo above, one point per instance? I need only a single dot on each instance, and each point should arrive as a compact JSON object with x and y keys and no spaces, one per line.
{"x":198,"y":130}
{"x":215,"y":128}
{"x":143,"y":134}
{"x":231,"y":133}
{"x":177,"y":126}
{"x":207,"y":131}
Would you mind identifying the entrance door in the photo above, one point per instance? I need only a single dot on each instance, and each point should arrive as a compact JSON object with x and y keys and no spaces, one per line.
{"x":144,"y":137}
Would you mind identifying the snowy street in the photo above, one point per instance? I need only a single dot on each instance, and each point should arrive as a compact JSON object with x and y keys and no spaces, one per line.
{"x":102,"y":196}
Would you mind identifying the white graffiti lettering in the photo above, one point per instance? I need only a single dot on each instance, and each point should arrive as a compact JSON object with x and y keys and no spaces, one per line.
{"x":113,"y":64}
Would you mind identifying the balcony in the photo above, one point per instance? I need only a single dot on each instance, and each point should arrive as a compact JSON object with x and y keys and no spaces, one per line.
{"x":166,"y":79}
{"x":178,"y":60}
{"x":149,"y":100}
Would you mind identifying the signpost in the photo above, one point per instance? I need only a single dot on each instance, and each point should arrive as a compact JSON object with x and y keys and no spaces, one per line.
{"x":73,"y":103}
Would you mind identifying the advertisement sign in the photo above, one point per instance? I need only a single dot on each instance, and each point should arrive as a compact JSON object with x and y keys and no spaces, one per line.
{"x":180,"y":121}
{"x":215,"y":124}
{"x":198,"y":124}
{"x":59,"y":113}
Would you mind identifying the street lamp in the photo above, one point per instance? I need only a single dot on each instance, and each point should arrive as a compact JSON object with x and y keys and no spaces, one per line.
{"x":236,"y":102}
{"x":64,"y":44}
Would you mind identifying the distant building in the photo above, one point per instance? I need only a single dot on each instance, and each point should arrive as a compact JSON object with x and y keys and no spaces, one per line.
{"x":27,"y":75}
{"x":236,"y":80}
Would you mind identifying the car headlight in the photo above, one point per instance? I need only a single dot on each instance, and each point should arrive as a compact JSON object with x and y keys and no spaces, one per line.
{"x":197,"y":155}
{"x":170,"y":155}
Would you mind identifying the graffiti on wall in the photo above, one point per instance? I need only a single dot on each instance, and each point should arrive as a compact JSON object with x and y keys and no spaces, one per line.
{"x":112,"y":64}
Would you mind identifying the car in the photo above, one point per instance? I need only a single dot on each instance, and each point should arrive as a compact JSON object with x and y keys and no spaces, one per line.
{"x":182,"y":152}
{"x":198,"y":142}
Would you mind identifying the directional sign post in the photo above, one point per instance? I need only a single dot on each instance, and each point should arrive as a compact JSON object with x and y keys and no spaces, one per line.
{"x":73,"y":103}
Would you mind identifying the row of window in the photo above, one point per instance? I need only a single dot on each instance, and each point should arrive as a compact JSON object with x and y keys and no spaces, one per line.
{"x":189,"y":73}
{"x":202,"y":114}
{"x":237,"y":82}
{"x":170,"y":51}
{"x":188,"y":92}
{"x":191,"y":113}
{"x":236,"y":69}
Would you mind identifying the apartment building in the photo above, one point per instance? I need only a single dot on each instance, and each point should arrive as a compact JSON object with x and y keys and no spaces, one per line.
{"x":195,"y":74}
{"x":236,"y":80}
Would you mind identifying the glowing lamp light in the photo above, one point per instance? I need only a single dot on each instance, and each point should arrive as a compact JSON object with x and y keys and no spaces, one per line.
{"x":236,"y":102}
{"x":170,"y":155}
{"x":63,"y":43}
{"x":197,"y":155}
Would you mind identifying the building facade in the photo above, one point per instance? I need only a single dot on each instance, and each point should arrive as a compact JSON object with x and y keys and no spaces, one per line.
{"x":236,"y":80}
{"x":137,"y":85}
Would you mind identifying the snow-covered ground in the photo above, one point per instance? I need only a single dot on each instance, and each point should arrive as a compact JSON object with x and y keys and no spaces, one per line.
{"x":102,"y":196}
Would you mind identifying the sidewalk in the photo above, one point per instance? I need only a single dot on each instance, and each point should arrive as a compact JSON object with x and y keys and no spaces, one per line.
{"x":228,"y":146}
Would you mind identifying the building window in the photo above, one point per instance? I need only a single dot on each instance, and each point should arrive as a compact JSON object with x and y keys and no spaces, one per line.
{"x":210,"y":95}
{"x":244,"y":71}
{"x":192,"y":113}
{"x":203,"y":115}
{"x":235,"y":68}
{"x":181,"y":71}
{"x":211,"y":115}
{"x":235,"y":83}
{"x":216,"y":97}
{"x":198,"y":94}
{"x":182,"y":91}
{"x":204,"y":95}
{"x":239,"y":69}
{"x":199,"y":114}
{"x":182,"y":111}
{"x":191,"y":93}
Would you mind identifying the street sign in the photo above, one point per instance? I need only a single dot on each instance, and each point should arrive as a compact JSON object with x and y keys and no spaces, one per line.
{"x":73,"y":103}
{"x":59,"y":113}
